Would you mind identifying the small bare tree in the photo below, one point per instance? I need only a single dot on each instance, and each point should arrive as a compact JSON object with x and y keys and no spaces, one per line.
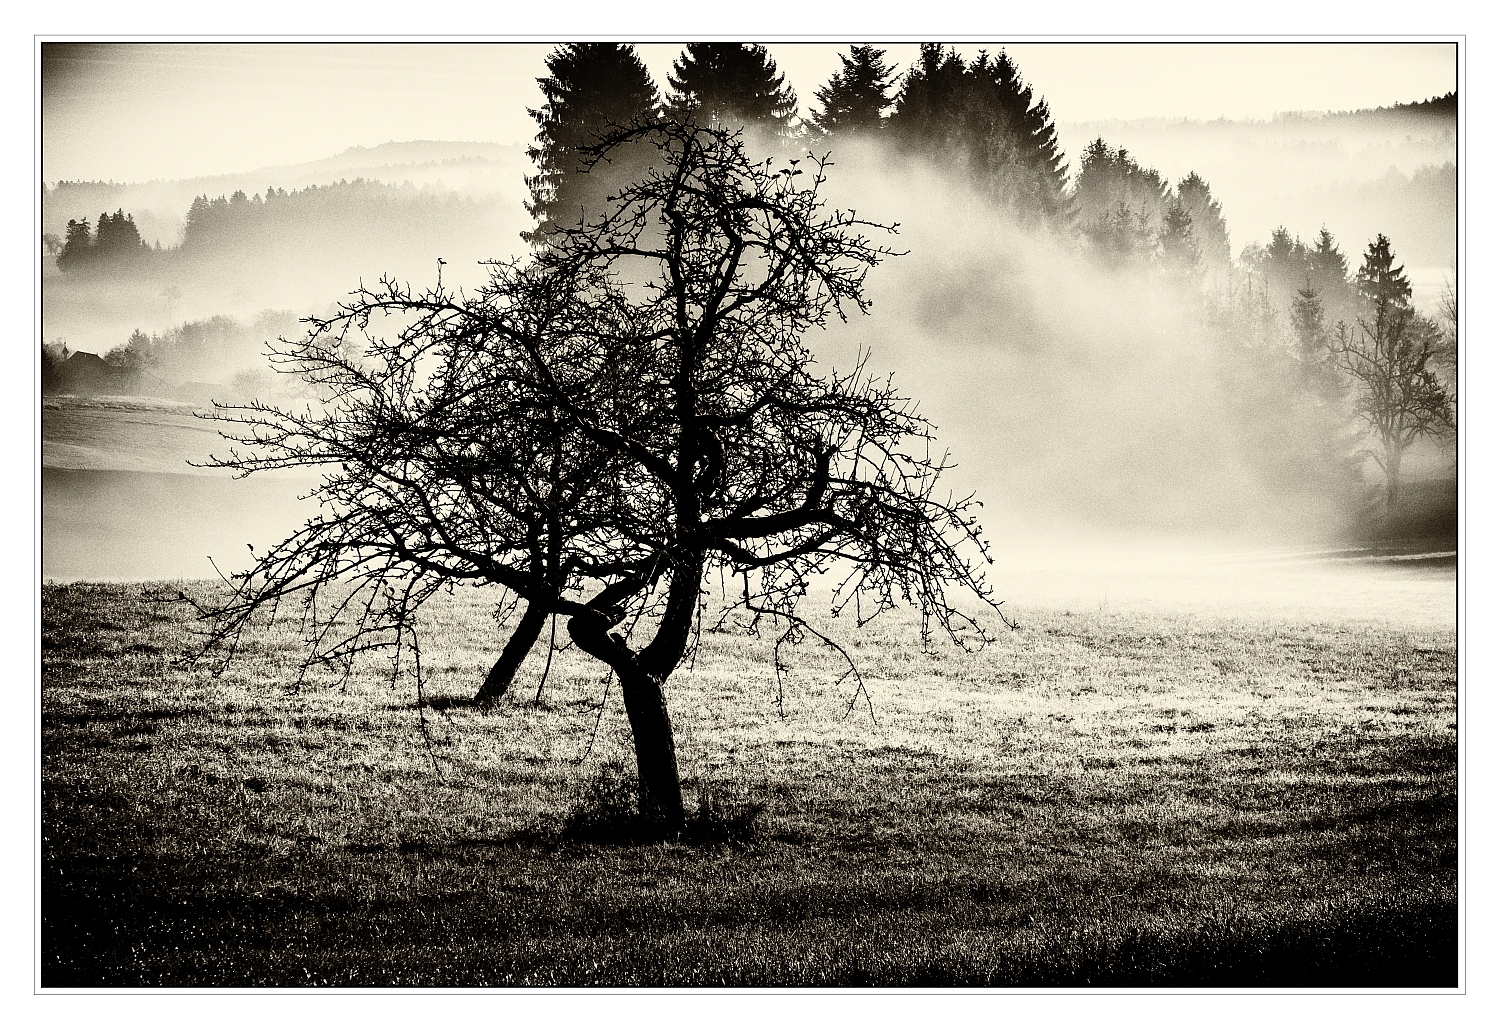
{"x":605,"y":429}
{"x":1399,"y":395}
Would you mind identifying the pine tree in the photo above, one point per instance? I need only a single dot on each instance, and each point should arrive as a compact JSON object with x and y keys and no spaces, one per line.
{"x":1177,"y":248}
{"x":590,"y":88}
{"x":77,"y":246}
{"x":1379,"y":279}
{"x":1015,"y":139}
{"x":1209,"y":229}
{"x":928,"y":119}
{"x":982,"y":117}
{"x":1119,"y":204}
{"x":731,"y":85}
{"x":855,"y":99}
{"x":1329,"y":275}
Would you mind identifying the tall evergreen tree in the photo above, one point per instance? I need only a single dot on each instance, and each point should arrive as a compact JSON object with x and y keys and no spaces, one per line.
{"x":928,"y":118}
{"x":1119,"y":205}
{"x":1379,"y":279}
{"x":590,"y":87}
{"x":982,"y":116}
{"x":856,"y":97}
{"x":1015,"y":139}
{"x":1307,"y":323}
{"x":730,"y":85}
{"x":77,"y":245}
{"x":1177,"y":248}
{"x":1209,"y":228}
{"x":1328,"y":273}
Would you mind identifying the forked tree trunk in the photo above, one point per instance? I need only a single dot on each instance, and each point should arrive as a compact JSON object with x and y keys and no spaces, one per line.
{"x":646,"y":705}
{"x":521,"y":642}
{"x":655,"y":750}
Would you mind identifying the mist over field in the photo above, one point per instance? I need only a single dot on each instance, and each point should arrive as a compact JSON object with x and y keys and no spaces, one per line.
{"x":1088,"y":407}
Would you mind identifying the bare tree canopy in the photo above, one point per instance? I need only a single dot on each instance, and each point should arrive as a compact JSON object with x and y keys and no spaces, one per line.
{"x":602,"y":431}
{"x":1393,"y":356}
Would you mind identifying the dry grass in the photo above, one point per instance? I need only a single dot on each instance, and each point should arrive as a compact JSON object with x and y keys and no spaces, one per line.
{"x":1102,"y":799}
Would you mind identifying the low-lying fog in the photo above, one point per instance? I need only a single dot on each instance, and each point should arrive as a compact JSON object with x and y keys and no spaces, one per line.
{"x":1123,"y":459}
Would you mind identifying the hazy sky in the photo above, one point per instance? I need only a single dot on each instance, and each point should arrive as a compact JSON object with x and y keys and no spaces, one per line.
{"x":136,"y":111}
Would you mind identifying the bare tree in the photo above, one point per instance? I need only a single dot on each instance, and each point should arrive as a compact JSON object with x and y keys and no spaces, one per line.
{"x":1399,"y":395}
{"x":604,"y":430}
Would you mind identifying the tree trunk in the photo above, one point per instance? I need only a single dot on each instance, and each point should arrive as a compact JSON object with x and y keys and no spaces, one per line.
{"x":655,"y":751}
{"x":641,"y":681}
{"x":1392,"y":480}
{"x":521,"y":641}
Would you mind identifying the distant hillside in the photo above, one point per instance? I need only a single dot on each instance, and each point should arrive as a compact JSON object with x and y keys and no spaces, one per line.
{"x":477,"y":170}
{"x":1445,"y":106}
{"x":1390,"y":170}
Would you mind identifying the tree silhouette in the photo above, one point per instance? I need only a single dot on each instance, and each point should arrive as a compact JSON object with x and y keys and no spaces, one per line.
{"x":982,"y":117}
{"x":1379,"y":279}
{"x":855,"y":98}
{"x":1390,"y":355}
{"x":1177,"y":246}
{"x":652,"y":364}
{"x":731,"y":85}
{"x":77,"y":244}
{"x":929,"y":114}
{"x":1119,"y":204}
{"x":1016,"y":142}
{"x":1209,"y":230}
{"x":591,"y":89}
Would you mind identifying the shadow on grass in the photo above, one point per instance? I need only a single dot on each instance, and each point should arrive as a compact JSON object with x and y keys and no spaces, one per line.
{"x":163,"y":923}
{"x":606,"y":813}
{"x":1402,"y":946}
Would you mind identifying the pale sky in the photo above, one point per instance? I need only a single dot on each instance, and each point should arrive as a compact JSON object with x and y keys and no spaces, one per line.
{"x":136,"y":111}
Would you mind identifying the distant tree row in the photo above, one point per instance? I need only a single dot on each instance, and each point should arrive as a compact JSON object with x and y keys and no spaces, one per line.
{"x":232,"y":225}
{"x":116,"y":238}
{"x":196,"y":351}
{"x":359,"y":206}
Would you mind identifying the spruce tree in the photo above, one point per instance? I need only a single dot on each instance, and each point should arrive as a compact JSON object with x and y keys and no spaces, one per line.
{"x":1016,"y":141}
{"x":981,"y":116}
{"x":1380,"y":280}
{"x":77,"y":246}
{"x":731,"y":85}
{"x":928,"y":119}
{"x":1177,"y":248}
{"x":1329,"y":274}
{"x":1209,"y":229}
{"x":1307,"y":322}
{"x":1119,"y":205}
{"x":855,"y":99}
{"x":590,"y":88}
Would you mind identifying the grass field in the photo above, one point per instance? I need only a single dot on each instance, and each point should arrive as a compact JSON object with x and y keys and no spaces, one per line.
{"x":1101,"y":799}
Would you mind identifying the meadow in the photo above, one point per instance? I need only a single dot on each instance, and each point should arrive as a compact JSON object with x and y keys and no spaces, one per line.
{"x":1103,"y":798}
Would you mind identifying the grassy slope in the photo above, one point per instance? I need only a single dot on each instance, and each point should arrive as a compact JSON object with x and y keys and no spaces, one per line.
{"x":1097,"y":800}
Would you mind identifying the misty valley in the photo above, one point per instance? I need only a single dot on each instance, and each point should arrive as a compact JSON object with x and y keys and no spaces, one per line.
{"x":461,"y":560}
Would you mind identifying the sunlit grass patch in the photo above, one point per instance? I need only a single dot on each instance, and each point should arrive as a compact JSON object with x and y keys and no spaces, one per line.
{"x":1098,"y":798}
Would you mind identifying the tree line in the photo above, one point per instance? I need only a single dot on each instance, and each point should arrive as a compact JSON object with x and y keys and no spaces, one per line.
{"x":114,"y":239}
{"x":1323,"y":333}
{"x":233,"y":224}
